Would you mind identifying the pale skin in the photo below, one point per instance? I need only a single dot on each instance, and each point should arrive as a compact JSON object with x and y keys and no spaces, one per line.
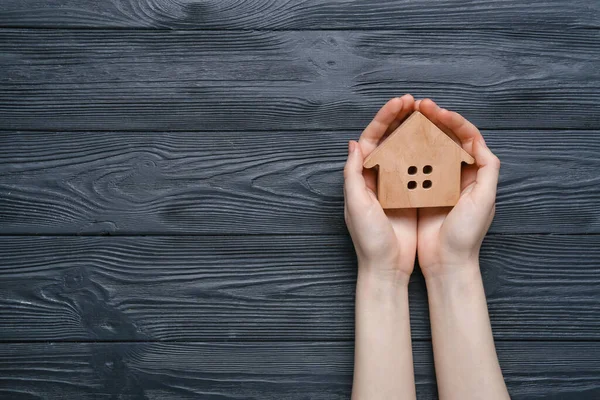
{"x":447,"y":242}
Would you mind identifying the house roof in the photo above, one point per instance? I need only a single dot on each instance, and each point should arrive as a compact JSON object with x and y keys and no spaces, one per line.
{"x":408,"y":125}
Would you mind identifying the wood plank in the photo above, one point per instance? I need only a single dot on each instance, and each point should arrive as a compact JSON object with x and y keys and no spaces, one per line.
{"x":532,"y":370}
{"x":268,"y":287}
{"x":259,"y":182}
{"x":305,"y":14}
{"x":254,"y":80}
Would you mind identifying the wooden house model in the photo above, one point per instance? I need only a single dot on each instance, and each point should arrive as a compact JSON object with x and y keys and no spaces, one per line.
{"x":418,"y":166}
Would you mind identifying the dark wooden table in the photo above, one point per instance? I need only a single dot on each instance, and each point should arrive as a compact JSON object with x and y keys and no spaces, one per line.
{"x":170,"y":189}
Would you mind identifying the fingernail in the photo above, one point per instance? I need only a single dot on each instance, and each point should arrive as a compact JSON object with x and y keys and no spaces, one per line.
{"x":350,"y":147}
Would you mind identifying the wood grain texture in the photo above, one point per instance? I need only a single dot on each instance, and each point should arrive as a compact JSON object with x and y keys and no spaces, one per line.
{"x":264,"y":370}
{"x":253,"y":80}
{"x":304,"y":14}
{"x":268,"y":288}
{"x":259,"y":182}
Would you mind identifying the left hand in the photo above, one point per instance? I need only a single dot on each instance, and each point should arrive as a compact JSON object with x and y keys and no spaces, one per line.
{"x":449,"y":239}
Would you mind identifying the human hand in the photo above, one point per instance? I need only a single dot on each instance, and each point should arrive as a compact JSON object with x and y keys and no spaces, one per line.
{"x":449,"y":239}
{"x":385,"y":241}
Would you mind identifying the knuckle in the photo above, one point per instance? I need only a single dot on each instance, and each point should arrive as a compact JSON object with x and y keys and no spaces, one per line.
{"x":496,"y":162}
{"x":346,"y":171}
{"x":347,"y":175}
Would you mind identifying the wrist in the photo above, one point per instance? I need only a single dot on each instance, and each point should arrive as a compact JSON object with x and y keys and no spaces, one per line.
{"x":383,"y":275}
{"x":455,"y":281}
{"x":376,"y":290}
{"x":447,"y":265}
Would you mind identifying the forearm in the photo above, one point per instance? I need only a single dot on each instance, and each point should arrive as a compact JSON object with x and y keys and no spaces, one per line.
{"x":466,"y":363}
{"x":383,"y":364}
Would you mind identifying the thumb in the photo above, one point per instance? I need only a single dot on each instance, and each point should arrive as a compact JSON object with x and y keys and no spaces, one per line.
{"x":355,"y":188}
{"x":487,"y":174}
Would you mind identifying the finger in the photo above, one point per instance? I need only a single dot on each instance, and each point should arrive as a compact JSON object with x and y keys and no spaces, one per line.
{"x":487,"y":175}
{"x":370,"y":176}
{"x":407,"y":108}
{"x":355,"y":188}
{"x":466,"y":132}
{"x":373,"y":133}
{"x":433,"y":112}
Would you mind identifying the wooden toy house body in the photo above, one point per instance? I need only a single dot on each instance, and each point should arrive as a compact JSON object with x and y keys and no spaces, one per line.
{"x":418,"y":166}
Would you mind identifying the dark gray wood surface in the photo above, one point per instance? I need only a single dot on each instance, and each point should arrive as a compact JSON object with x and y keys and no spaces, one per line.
{"x":300,"y":14}
{"x":170,"y":189}
{"x":284,"y":182}
{"x":274,"y":370}
{"x":269,"y":287}
{"x":317,"y":80}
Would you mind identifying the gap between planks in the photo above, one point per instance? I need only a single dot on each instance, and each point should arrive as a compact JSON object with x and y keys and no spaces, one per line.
{"x":250,"y":340}
{"x":282,"y":130}
{"x":549,"y":28}
{"x":194,"y":234}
